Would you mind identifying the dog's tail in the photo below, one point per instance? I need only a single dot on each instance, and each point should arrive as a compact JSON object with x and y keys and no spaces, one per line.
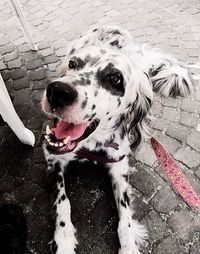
{"x":168,"y":77}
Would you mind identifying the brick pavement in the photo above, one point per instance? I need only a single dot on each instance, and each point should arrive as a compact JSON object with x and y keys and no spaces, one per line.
{"x":173,"y":26}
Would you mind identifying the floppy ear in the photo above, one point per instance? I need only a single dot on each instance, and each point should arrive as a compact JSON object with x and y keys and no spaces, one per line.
{"x":139,"y":111}
{"x":169,"y":78}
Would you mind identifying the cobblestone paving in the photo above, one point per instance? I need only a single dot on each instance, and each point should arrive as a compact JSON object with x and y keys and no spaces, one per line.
{"x":173,"y":26}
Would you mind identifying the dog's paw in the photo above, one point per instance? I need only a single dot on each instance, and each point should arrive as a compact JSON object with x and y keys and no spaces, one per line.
{"x":128,"y":250}
{"x":65,"y":241}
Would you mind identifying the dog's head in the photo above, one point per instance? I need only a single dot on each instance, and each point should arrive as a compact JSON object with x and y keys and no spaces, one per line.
{"x":96,"y":88}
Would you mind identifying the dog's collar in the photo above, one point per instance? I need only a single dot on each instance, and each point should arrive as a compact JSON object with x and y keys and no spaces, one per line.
{"x":86,"y":154}
{"x":92,"y":156}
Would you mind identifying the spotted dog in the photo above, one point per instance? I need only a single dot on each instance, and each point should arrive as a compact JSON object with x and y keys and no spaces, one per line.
{"x":99,"y":106}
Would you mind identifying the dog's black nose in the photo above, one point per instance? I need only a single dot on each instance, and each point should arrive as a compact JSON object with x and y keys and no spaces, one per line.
{"x":60,"y":94}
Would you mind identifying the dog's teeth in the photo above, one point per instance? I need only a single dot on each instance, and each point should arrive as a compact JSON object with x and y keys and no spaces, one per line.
{"x":51,"y":143}
{"x":48,"y":130}
{"x":61,"y":144}
{"x":56,"y":144}
{"x":46,"y":137}
{"x":66,"y":140}
{"x":49,"y":140}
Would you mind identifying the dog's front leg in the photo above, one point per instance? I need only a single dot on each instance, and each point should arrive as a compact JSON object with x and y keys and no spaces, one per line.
{"x":64,"y":241}
{"x":131,"y":233}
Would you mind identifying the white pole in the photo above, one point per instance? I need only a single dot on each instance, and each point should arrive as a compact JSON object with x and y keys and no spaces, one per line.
{"x":10,"y":116}
{"x":18,"y":10}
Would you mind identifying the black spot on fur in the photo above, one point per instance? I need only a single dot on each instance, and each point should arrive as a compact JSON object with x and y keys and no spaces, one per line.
{"x":114,"y":32}
{"x":125,"y":177}
{"x":126,"y":198}
{"x":119,"y":102}
{"x":115,"y":43}
{"x":109,"y":118}
{"x":59,"y":201}
{"x":86,"y":116}
{"x":104,"y":77}
{"x":107,"y":113}
{"x":95,"y":30}
{"x":91,"y":117}
{"x":98,"y":144}
{"x":93,"y":107}
{"x":123,"y":203}
{"x":88,"y":82}
{"x":95,"y":93}
{"x":84,"y":103}
{"x":61,"y":185}
{"x":62,"y":224}
{"x":72,"y":51}
{"x":129,"y":225}
{"x":63,"y":197}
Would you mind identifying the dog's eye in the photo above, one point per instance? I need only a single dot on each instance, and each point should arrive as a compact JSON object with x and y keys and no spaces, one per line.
{"x":115,"y":79}
{"x":72,"y":64}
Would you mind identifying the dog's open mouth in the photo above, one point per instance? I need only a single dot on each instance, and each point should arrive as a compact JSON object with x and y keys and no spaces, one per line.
{"x":64,"y":136}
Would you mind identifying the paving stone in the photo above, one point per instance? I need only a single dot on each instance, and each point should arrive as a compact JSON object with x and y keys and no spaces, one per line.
{"x":160,"y":124}
{"x":192,"y":106}
{"x":188,"y":156}
{"x":21,"y":83}
{"x":156,"y":225}
{"x":197,"y":173}
{"x":5,"y":74}
{"x":169,"y":246}
{"x":6,"y":49}
{"x":184,"y":225}
{"x":189,"y":119}
{"x":171,"y":114}
{"x":2,"y":66}
{"x":34,"y":64}
{"x":178,"y":131}
{"x":30,"y":56}
{"x":22,"y":102}
{"x":47,"y":51}
{"x":18,"y":73}
{"x":152,"y":180}
{"x":14,"y":64}
{"x":170,"y":144}
{"x":145,"y":154}
{"x":156,"y":109}
{"x":23,"y":48}
{"x":193,"y":140}
{"x":195,"y":248}
{"x":39,"y":84}
{"x":11,"y":56}
{"x":165,"y":200}
{"x":36,"y":74}
{"x":51,"y":59}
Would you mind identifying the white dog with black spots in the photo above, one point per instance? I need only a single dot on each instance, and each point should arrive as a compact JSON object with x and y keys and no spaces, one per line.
{"x":99,"y":108}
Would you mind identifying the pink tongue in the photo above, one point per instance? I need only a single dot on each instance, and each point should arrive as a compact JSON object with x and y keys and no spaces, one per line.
{"x":64,"y":129}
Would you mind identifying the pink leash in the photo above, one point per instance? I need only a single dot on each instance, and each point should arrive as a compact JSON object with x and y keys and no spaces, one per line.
{"x":176,"y":176}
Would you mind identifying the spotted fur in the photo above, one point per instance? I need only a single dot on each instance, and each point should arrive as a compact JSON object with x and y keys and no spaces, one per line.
{"x":122,"y":108}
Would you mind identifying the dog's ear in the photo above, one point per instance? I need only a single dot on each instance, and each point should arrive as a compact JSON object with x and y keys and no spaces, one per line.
{"x":138,"y":112}
{"x":171,"y":79}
